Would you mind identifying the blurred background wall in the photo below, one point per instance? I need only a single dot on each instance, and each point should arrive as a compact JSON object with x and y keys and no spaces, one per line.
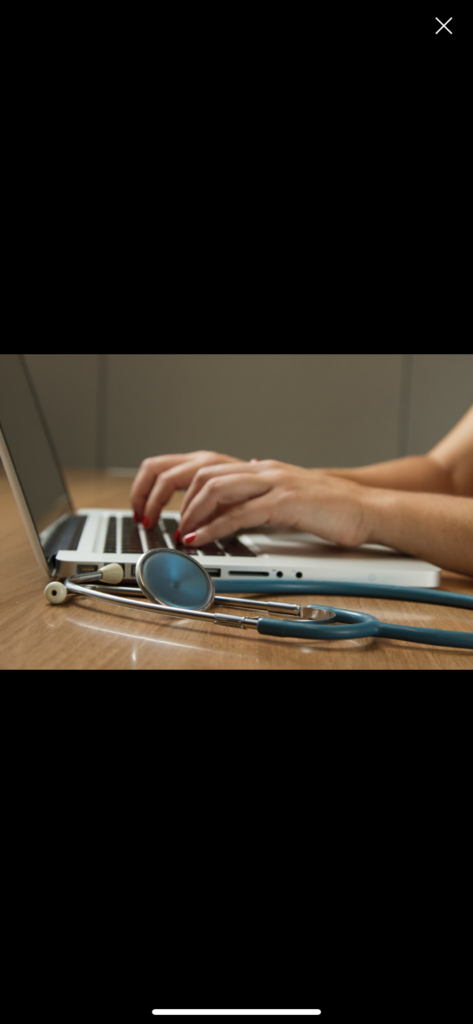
{"x":313,"y":410}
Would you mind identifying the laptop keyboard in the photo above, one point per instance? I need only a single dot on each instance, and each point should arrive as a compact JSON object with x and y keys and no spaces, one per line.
{"x":229,"y":545}
{"x":131,"y":541}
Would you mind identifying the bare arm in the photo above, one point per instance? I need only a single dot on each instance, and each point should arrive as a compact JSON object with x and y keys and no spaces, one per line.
{"x":224,"y":499}
{"x":446,"y":469}
{"x":416,"y":473}
{"x":454,"y":455}
{"x":421,"y":505}
{"x":435,"y":527}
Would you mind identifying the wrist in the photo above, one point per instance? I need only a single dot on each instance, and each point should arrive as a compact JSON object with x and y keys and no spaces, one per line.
{"x":377,"y":507}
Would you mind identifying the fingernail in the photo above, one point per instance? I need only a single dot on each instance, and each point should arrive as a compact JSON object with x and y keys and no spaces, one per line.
{"x":136,"y":518}
{"x":189,"y":538}
{"x":146,"y":522}
{"x":177,"y":536}
{"x":255,"y":460}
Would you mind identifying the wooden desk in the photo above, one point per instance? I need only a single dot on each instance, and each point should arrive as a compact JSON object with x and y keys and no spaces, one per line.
{"x":83,"y":635}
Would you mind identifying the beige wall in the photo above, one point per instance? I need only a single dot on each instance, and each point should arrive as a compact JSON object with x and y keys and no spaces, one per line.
{"x":68,"y":389}
{"x":442,"y":390}
{"x":114,"y":410}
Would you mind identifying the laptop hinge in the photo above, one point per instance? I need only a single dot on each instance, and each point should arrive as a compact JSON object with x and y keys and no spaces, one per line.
{"x":53,"y":566}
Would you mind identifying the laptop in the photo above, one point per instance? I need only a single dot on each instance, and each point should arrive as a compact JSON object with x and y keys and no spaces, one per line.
{"x":67,"y":541}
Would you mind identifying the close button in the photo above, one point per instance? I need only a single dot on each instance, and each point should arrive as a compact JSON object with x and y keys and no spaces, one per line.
{"x":443,"y":25}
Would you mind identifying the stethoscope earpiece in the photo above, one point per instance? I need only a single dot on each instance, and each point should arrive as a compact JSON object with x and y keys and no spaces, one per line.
{"x":56,"y":593}
{"x":176,"y":584}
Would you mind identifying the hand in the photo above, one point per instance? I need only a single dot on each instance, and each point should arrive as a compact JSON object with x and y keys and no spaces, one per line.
{"x":158,"y":478}
{"x":223,"y":499}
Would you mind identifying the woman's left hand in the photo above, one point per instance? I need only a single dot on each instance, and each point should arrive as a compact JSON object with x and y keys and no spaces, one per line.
{"x":229,"y":498}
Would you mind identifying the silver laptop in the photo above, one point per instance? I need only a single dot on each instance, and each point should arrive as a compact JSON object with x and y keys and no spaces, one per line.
{"x":66,"y":541}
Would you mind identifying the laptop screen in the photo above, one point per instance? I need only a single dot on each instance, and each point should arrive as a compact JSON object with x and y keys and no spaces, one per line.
{"x":31,"y":449}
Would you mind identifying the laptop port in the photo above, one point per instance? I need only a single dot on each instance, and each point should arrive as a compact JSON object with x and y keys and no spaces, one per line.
{"x":87,"y":568}
{"x":251,"y":575}
{"x":214,"y":572}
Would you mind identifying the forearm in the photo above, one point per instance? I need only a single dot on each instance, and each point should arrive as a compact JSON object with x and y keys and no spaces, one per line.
{"x":417,"y":473}
{"x":435,"y":527}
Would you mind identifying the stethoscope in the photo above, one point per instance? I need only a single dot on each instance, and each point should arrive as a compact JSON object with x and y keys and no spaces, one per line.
{"x":176,"y":584}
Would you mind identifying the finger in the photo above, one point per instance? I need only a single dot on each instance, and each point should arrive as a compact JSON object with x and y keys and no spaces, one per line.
{"x":207,"y":473}
{"x":246,"y":516}
{"x":220,"y":491}
{"x":151,"y":469}
{"x":173,"y":480}
{"x":146,"y":477}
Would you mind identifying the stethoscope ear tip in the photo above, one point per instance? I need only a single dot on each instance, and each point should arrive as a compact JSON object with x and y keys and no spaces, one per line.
{"x":56,"y":593}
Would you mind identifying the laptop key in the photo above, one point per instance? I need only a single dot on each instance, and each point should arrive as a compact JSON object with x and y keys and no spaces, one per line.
{"x":110,"y":546}
{"x":131,"y":540}
{"x":207,"y":549}
{"x":155,"y":539}
{"x":66,"y":536}
{"x":236,"y":549}
{"x":72,"y":532}
{"x":210,"y":549}
{"x":170,"y":525}
{"x":230,"y":546}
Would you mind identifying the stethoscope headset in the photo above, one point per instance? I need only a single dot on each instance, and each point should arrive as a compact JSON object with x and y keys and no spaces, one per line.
{"x":174,"y":583}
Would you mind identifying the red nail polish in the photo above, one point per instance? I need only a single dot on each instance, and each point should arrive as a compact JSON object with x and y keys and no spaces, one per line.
{"x":177,"y":536}
{"x":146,"y":522}
{"x":189,"y":538}
{"x":136,"y":518}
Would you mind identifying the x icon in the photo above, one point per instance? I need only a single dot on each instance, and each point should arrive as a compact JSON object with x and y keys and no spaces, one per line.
{"x":442,"y":25}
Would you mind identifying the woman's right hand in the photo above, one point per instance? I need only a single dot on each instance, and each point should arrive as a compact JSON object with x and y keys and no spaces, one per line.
{"x":159,"y":477}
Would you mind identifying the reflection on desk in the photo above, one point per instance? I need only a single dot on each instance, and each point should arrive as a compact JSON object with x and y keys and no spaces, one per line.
{"x":83,"y":635}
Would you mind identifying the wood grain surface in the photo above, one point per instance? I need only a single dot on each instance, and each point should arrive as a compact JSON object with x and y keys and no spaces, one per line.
{"x":83,"y":635}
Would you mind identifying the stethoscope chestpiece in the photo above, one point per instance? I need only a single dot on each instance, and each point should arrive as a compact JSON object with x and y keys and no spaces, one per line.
{"x":177,"y":584}
{"x":170,"y":578}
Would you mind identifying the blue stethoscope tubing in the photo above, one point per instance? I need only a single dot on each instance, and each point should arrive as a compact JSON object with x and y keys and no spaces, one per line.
{"x":178,"y":585}
{"x":354,"y":625}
